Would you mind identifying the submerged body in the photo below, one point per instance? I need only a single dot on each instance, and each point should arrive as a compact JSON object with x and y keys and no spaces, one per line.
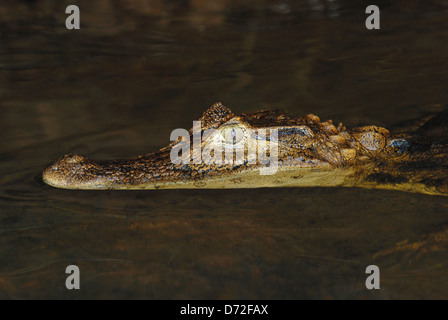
{"x":307,"y":153}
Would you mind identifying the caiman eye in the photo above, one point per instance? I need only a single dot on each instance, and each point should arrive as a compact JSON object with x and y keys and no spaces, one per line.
{"x":232,"y":135}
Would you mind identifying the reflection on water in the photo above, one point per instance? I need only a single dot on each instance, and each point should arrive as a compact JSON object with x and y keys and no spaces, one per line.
{"x":136,"y":71}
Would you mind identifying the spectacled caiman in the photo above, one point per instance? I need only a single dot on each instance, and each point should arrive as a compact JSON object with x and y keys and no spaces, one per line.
{"x":309,"y":152}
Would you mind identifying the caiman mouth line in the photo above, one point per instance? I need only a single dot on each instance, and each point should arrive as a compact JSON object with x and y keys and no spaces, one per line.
{"x":308,"y":153}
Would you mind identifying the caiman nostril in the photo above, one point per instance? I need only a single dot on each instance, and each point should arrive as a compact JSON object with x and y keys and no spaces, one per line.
{"x":73,"y":158}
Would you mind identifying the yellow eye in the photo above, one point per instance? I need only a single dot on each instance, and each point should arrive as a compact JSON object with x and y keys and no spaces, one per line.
{"x":232,"y":134}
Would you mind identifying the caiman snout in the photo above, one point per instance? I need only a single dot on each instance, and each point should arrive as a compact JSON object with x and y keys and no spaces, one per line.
{"x":68,"y":171}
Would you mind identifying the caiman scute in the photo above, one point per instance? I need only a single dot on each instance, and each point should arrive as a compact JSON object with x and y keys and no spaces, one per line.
{"x":310,"y":153}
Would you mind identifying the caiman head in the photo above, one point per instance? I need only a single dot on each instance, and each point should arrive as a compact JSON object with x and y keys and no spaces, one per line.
{"x":266,"y":149}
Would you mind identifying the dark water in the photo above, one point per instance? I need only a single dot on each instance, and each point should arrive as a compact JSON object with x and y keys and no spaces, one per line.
{"x":139,"y":69}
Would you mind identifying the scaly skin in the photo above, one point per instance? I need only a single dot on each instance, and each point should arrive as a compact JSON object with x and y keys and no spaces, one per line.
{"x":310,"y":153}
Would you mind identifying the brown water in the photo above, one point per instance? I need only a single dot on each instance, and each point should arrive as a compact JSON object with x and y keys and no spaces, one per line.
{"x":139,"y":69}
